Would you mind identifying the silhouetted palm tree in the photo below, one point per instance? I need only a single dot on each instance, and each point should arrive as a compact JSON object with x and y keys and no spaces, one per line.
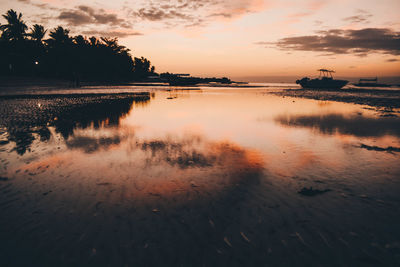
{"x":94,"y":41}
{"x":16,"y":28}
{"x":80,"y":41}
{"x":37,"y":33}
{"x":112,"y":43}
{"x":59,"y":35}
{"x":63,"y":56}
{"x":142,"y":68}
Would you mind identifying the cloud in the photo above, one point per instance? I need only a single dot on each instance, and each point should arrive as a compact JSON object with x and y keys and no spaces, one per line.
{"x":224,"y":15}
{"x":235,"y":8}
{"x":170,"y":13}
{"x":111,"y":33}
{"x":39,"y":5}
{"x":358,"y":18}
{"x":307,"y":10}
{"x":155,"y":14}
{"x":85,"y":15}
{"x":361,"y":17}
{"x":336,"y":41}
{"x":74,"y":17}
{"x":194,"y":12}
{"x":392,"y":60}
{"x":85,"y":19}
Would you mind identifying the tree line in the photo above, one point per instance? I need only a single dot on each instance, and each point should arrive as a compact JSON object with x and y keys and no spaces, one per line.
{"x":26,"y":52}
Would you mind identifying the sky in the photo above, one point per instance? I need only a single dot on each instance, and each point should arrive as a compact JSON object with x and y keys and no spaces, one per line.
{"x":237,"y":38}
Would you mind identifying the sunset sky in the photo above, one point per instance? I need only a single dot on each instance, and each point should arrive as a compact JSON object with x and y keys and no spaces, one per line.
{"x":238,"y":38}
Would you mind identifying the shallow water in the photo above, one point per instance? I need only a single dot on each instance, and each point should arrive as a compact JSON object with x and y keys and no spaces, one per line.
{"x":207,"y":177}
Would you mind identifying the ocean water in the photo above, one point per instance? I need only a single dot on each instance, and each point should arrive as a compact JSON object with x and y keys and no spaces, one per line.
{"x":136,"y":176}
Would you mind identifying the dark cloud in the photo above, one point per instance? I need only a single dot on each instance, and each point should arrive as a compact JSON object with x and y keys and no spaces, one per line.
{"x":111,"y":33}
{"x":392,"y":60}
{"x":336,"y":41}
{"x":155,"y":14}
{"x":74,"y":17}
{"x":101,"y":17}
{"x":224,"y":15}
{"x":85,"y":15}
{"x":171,"y":15}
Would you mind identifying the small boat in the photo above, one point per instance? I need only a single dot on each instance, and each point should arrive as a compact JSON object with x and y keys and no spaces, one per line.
{"x":371,"y":83}
{"x":324,"y":81}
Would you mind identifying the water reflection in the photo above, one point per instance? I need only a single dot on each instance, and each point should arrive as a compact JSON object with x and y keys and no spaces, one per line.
{"x":197,"y":181}
{"x":90,"y":133}
{"x":24,"y":116}
{"x":161,"y":197}
{"x":356,"y":125}
{"x":91,"y":144}
{"x":182,"y":154}
{"x":163,"y":166}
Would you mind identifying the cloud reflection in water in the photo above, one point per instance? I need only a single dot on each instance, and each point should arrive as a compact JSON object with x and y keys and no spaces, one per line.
{"x":356,"y":125}
{"x":160,"y":167}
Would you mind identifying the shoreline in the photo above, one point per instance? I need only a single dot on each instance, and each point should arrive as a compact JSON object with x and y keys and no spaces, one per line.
{"x":388,"y":99}
{"x":27,"y":83}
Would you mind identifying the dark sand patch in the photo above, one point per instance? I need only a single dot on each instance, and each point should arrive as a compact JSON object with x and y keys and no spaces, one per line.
{"x":25,"y":115}
{"x":383,"y":149}
{"x":355,"y":125}
{"x":310,"y":192}
{"x":386,"y":99}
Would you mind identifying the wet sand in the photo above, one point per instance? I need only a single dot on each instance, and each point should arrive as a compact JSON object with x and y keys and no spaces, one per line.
{"x":146,"y":180}
{"x":382,"y":100}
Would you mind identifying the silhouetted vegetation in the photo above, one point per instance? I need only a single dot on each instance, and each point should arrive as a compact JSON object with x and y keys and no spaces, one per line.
{"x":186,"y":79}
{"x":26,"y":52}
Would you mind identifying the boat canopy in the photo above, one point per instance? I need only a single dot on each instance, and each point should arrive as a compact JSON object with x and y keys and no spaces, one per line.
{"x":326,"y":73}
{"x":325,"y":70}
